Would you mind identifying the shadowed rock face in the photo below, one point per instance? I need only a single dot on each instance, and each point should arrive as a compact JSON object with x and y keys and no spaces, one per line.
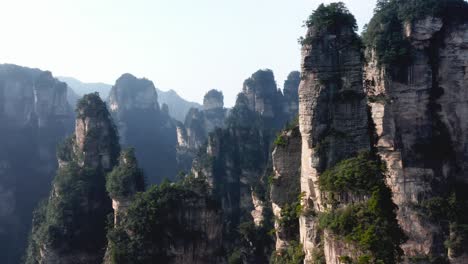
{"x":419,"y":114}
{"x":134,"y":105}
{"x":34,"y":117}
{"x":70,"y":226}
{"x":291,"y":94}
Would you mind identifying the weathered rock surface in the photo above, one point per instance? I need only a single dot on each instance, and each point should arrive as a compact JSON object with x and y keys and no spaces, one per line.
{"x":332,"y":118}
{"x":34,"y":117}
{"x":422,"y":132}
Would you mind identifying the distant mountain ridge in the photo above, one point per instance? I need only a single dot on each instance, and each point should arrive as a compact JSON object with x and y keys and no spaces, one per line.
{"x":178,"y":106}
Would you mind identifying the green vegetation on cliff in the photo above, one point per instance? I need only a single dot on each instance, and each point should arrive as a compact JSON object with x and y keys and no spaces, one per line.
{"x":330,"y":18}
{"x":73,"y":220}
{"x":126,"y":178}
{"x":384,"y":33}
{"x":155,"y":222}
{"x":293,"y":254}
{"x":64,"y":222}
{"x":368,"y":223}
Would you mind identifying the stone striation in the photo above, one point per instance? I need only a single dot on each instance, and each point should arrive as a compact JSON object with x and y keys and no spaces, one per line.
{"x":143,"y":125}
{"x":333,"y":122}
{"x":70,"y":226}
{"x":34,"y":117}
{"x":285,"y":184}
{"x":419,"y":112}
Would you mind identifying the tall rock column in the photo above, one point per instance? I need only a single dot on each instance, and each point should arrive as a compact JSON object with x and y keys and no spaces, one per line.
{"x":341,"y":178}
{"x":71,"y":226}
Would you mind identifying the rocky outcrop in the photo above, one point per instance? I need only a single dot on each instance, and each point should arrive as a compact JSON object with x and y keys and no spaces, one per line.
{"x":143,"y":125}
{"x":34,"y":117}
{"x":285,"y":187}
{"x":419,"y":109}
{"x":70,"y":226}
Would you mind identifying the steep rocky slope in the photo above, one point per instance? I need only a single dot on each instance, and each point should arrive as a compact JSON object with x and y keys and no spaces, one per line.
{"x":34,"y":117}
{"x":143,"y":125}
{"x":70,"y":226}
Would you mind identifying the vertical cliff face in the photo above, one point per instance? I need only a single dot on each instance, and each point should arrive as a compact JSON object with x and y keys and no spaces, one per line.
{"x":70,"y":226}
{"x":141,"y":123}
{"x":285,"y":188}
{"x":332,"y":118}
{"x":345,"y":197}
{"x":418,"y":107}
{"x":35,"y":116}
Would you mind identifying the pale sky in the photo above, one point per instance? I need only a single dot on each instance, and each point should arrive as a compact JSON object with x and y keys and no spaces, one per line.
{"x":189,"y":46}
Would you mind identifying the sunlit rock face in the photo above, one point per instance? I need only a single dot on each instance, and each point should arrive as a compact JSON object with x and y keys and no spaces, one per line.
{"x":419,"y":111}
{"x":34,"y":117}
{"x":133,"y":103}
